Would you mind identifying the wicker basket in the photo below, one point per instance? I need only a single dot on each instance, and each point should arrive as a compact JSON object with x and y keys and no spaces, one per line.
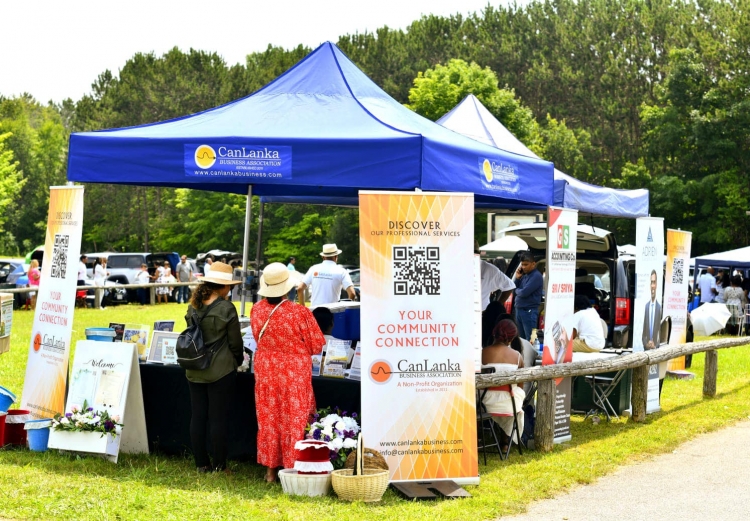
{"x":367,"y":485}
{"x":373,"y":460}
{"x":311,"y":485}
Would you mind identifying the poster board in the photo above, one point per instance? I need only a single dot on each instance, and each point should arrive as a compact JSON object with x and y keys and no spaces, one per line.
{"x":49,"y":346}
{"x":107,"y":377}
{"x":676,"y":289}
{"x":6,"y":321}
{"x":647,"y":306}
{"x":162,"y":348}
{"x":417,"y":333}
{"x":560,"y":268}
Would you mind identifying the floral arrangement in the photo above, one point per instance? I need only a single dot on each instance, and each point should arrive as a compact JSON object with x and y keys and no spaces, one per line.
{"x":339,"y":429}
{"x":245,"y":366}
{"x":85,"y":419}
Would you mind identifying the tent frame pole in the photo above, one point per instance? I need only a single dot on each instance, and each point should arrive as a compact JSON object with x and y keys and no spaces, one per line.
{"x":260,"y":236}
{"x":246,"y":247}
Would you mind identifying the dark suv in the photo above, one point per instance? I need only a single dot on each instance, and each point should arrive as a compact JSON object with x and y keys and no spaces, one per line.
{"x":604,"y":276}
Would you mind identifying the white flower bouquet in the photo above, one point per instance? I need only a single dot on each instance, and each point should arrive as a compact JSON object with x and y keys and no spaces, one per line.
{"x":337,"y":428}
{"x":86,"y":419}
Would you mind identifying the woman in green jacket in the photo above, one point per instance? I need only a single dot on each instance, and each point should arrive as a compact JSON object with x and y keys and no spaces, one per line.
{"x":211,"y":389}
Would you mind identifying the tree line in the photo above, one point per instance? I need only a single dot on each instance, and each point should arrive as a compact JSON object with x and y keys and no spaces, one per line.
{"x":622,"y":93}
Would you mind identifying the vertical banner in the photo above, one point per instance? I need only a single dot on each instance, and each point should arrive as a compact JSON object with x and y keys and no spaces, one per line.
{"x":47,"y":366}
{"x":558,"y":307}
{"x":676,"y":289}
{"x":647,"y":306}
{"x":417,"y":333}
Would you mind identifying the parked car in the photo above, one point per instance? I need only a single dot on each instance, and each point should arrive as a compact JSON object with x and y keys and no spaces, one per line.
{"x":123,"y":267}
{"x":598,"y":263}
{"x":354,"y":274}
{"x":232,"y":258}
{"x":8,"y":266}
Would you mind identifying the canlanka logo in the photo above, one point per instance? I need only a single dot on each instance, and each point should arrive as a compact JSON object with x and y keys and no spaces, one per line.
{"x":37,"y":342}
{"x":492,"y":170}
{"x":205,"y":156}
{"x":487,"y":170}
{"x":380,"y":371}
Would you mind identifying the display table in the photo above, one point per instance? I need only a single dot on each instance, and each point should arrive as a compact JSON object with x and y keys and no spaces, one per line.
{"x":166,"y":398}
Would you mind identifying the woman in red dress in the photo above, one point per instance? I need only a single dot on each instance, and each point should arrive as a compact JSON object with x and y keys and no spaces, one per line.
{"x":287,"y":336}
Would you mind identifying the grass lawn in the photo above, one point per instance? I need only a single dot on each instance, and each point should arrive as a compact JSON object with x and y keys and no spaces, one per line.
{"x":49,"y":485}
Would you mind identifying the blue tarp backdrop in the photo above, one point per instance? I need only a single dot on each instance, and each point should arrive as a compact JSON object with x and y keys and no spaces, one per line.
{"x":472,"y":119}
{"x":322,"y":129}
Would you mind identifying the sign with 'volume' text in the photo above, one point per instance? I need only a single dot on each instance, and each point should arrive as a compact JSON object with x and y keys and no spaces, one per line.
{"x":417,"y":333}
{"x":47,"y":367}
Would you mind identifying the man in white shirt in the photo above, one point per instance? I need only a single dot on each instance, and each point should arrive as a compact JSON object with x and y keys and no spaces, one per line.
{"x":588,"y":334}
{"x":494,"y":280}
{"x":82,"y":271}
{"x":207,"y":265}
{"x":142,"y":277}
{"x":327,"y":280}
{"x":707,"y":285}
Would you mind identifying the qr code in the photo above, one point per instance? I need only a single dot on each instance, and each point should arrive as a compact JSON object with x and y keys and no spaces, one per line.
{"x":60,"y":256}
{"x":169,"y":350}
{"x":416,"y":270}
{"x":678,"y":271}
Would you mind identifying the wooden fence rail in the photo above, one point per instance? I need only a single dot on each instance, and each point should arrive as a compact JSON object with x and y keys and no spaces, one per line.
{"x":99,"y":290}
{"x":639,"y":362}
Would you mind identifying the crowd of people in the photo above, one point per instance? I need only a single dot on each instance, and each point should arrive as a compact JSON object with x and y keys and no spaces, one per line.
{"x":286,"y":334}
{"x":725,"y":288}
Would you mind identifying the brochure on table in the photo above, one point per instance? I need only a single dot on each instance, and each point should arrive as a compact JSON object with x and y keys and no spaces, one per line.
{"x":107,"y":377}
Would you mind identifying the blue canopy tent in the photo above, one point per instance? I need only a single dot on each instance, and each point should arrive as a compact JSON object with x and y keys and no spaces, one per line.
{"x":329,"y":130}
{"x":322,"y":129}
{"x":472,"y":119}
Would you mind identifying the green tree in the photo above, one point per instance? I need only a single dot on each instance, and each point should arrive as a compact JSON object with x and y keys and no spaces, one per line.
{"x":438,"y":90}
{"x":11,"y":182}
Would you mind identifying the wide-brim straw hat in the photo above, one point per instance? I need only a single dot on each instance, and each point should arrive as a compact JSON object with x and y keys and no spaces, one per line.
{"x":330,"y":250}
{"x":276,"y":281}
{"x":221,"y":274}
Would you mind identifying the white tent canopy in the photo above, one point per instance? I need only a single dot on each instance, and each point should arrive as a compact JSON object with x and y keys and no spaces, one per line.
{"x":472,"y":119}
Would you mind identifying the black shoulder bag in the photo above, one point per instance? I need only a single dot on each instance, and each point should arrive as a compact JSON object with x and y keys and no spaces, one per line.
{"x":192,"y":352}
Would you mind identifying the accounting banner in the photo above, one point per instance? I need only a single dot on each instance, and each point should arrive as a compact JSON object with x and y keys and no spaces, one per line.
{"x":417,"y":333}
{"x":559,"y":298}
{"x":647,"y":306}
{"x":676,"y":289}
{"x":47,"y":366}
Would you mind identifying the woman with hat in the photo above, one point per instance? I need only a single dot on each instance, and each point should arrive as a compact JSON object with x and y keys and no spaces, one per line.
{"x":287,"y":336}
{"x":211,"y":389}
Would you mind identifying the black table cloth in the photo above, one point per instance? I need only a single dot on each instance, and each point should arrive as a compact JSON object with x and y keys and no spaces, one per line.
{"x":166,"y":400}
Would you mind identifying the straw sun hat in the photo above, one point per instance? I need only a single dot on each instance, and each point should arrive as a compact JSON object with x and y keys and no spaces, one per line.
{"x":276,"y":281}
{"x":330,"y":250}
{"x":221,"y":274}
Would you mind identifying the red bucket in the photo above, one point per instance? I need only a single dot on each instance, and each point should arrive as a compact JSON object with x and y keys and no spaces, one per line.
{"x":2,"y":428}
{"x":14,"y":427}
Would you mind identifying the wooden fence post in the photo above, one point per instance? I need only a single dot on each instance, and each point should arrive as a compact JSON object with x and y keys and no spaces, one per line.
{"x":710,"y":371}
{"x":152,"y":295}
{"x":639,"y":394}
{"x":544,"y":427}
